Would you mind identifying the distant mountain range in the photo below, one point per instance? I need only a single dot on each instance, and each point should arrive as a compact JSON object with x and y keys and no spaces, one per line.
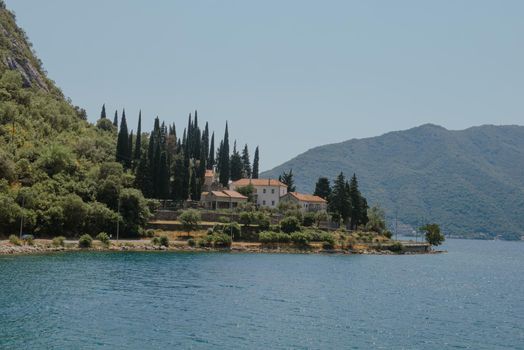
{"x":469,"y":181}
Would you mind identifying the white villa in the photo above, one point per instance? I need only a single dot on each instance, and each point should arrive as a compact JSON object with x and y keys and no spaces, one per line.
{"x":267,"y":192}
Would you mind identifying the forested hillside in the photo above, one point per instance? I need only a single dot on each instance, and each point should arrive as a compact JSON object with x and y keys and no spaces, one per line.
{"x":61,"y":175}
{"x":470,"y":181}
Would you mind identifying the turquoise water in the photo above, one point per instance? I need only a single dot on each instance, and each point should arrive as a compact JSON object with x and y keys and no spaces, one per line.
{"x":470,"y":298}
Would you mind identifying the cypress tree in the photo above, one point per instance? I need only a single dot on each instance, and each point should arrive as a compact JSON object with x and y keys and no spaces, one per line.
{"x":163,"y":177}
{"x":340,"y":202}
{"x":236,"y":164}
{"x":211,"y":158}
{"x":179,"y":176}
{"x":115,"y":119}
{"x":224,"y":170}
{"x":194,"y":188}
{"x":122,"y":143}
{"x":246,"y":165}
{"x":143,"y":177}
{"x":255,"y":164}
{"x":287,"y":179}
{"x":103,"y":113}
{"x":130,"y":148}
{"x":323,"y":188}
{"x":359,"y":205}
{"x":138,"y":141}
{"x":156,"y":171}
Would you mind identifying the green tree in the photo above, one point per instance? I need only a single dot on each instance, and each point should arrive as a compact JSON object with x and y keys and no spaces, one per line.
{"x":255,"y":164}
{"x":287,"y":179}
{"x":290,"y":224}
{"x":138,"y":141}
{"x":246,"y":165}
{"x":377,"y":219}
{"x":340,"y":201}
{"x":103,"y":113}
{"x":115,"y":119}
{"x":134,"y":210}
{"x":323,"y":188}
{"x":236,"y":164}
{"x":359,"y":204}
{"x":190,"y":219}
{"x":211,"y":157}
{"x":122,"y":143}
{"x":433,"y":234}
{"x":224,"y":170}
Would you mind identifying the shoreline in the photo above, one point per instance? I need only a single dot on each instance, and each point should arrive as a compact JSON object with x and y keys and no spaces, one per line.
{"x":7,"y":249}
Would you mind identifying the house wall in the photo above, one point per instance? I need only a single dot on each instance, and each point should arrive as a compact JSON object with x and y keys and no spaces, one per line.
{"x":267,"y":196}
{"x":305,"y":206}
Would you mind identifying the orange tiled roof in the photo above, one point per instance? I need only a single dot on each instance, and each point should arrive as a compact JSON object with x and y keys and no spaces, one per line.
{"x":307,"y":197}
{"x":258,"y":182}
{"x":227,"y":194}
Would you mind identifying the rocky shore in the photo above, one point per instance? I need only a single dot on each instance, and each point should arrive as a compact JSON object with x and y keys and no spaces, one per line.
{"x":43,"y":246}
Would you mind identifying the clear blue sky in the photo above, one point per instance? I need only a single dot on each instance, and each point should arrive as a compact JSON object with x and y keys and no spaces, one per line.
{"x":287,"y":75}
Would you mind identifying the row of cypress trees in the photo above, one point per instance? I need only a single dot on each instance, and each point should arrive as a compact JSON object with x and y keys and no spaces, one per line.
{"x":345,"y":201}
{"x":169,"y":167}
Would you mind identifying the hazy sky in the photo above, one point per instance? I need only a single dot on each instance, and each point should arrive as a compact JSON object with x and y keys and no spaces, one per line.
{"x":287,"y":75}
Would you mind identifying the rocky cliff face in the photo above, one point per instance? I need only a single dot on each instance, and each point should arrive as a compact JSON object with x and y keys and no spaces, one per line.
{"x":16,"y":52}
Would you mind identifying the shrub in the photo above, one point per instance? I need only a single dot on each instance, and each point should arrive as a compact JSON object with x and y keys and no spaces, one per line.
{"x":274,"y":228}
{"x":223,"y":219}
{"x":29,"y":239}
{"x":273,"y":237}
{"x":263,"y":221}
{"x":229,"y":229}
{"x":309,"y":219}
{"x":328,"y":245}
{"x":85,"y":241}
{"x":221,"y":240}
{"x":14,"y":240}
{"x":59,"y":241}
{"x":164,"y":241}
{"x":300,"y":238}
{"x":103,"y":237}
{"x":247,"y":218}
{"x":155,"y":241}
{"x":290,"y":224}
{"x":396,"y":247}
{"x":150,"y":233}
{"x":191,"y":242}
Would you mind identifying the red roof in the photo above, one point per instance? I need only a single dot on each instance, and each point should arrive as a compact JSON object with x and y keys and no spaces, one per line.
{"x":225,"y":194}
{"x":303,"y":197}
{"x":258,"y":182}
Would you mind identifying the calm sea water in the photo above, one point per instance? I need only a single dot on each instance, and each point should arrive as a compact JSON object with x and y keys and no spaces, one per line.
{"x":470,"y":298}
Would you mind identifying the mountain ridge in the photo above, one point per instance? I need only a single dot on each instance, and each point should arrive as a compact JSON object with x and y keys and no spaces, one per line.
{"x":414,"y":171}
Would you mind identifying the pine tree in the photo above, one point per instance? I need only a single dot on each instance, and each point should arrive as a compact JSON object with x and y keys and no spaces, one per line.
{"x":340,"y":202}
{"x":103,"y":113}
{"x":236,"y":164}
{"x":246,"y":165}
{"x":224,"y":171}
{"x":115,"y":119}
{"x":122,"y":143}
{"x":359,"y":204}
{"x":211,"y":158}
{"x":138,"y":141}
{"x":287,"y":179}
{"x":255,"y":164}
{"x":323,"y":188}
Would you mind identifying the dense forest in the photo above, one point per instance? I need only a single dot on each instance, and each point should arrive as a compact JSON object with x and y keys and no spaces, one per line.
{"x":61,"y":175}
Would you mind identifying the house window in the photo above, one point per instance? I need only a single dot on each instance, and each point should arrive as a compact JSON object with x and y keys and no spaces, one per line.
{"x":273,"y":203}
{"x":272,"y":191}
{"x":264,"y":202}
{"x":264,"y":190}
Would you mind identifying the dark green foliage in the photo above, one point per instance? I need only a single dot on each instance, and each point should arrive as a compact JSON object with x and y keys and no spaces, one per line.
{"x":273,"y":237}
{"x":85,"y":241}
{"x":59,"y":241}
{"x":433,"y":234}
{"x":340,"y":200}
{"x":224,"y":165}
{"x":122,"y":143}
{"x":236,"y":165}
{"x":255,"y":164}
{"x":359,"y":205}
{"x":138,"y":141}
{"x":134,"y":211}
{"x":246,"y":165}
{"x":103,"y":237}
{"x":290,"y":224}
{"x":164,"y":241}
{"x":105,"y":124}
{"x":103,"y":113}
{"x":287,"y":179}
{"x":115,"y":120}
{"x":300,"y":238}
{"x":323,"y":188}
{"x":211,"y":157}
{"x":308,"y":219}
